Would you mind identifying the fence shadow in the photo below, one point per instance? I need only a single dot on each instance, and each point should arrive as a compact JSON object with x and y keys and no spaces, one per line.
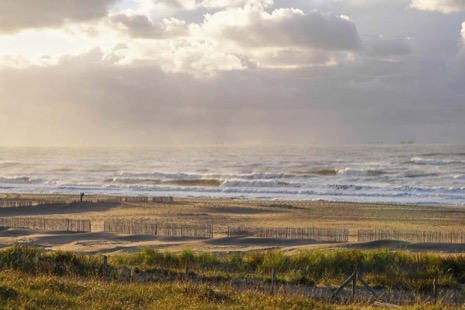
{"x":253,"y":241}
{"x":57,"y":208}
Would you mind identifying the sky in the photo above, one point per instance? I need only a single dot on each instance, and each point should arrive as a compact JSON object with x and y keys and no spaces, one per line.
{"x":163,"y":72}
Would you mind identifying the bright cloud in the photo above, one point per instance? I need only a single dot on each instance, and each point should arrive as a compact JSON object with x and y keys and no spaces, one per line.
{"x":444,"y":6}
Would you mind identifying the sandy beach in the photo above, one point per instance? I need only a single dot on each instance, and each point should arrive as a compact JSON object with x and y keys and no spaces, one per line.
{"x":224,"y":213}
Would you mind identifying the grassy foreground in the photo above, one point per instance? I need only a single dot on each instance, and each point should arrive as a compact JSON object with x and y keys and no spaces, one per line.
{"x":153,"y":280}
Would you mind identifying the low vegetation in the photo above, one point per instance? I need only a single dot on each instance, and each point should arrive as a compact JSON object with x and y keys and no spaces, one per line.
{"x":36,"y":279}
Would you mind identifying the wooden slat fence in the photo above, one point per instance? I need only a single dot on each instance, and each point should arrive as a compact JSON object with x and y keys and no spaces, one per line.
{"x":163,"y":199}
{"x":110,"y":200}
{"x":17,"y":203}
{"x":412,"y":236}
{"x":23,"y":203}
{"x":319,"y":234}
{"x":136,"y":199}
{"x":47,"y":224}
{"x":159,"y":229}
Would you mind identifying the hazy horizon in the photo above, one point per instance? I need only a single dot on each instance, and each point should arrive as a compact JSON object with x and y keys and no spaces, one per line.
{"x":242,"y":72}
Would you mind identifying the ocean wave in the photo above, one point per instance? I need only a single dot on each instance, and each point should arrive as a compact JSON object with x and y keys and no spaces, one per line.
{"x":433,"y":162}
{"x":8,"y":163}
{"x":420,"y":174}
{"x":352,"y":187}
{"x":360,"y":172}
{"x":201,"y":182}
{"x":442,"y":154}
{"x":254,"y":183}
{"x":433,"y":190}
{"x":178,"y":182}
{"x":62,"y":170}
{"x":120,"y":180}
{"x":312,"y":173}
{"x":160,"y":175}
{"x":20,"y":180}
{"x":406,"y":174}
{"x":202,"y":176}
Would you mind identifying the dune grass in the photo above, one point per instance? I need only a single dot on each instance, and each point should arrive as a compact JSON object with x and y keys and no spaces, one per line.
{"x":20,"y":290}
{"x":153,"y":279}
{"x":383,"y":268}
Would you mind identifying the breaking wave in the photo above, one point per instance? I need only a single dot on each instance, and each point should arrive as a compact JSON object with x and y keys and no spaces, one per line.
{"x":20,"y":180}
{"x":257,"y":183}
{"x":360,"y":172}
{"x":433,"y":162}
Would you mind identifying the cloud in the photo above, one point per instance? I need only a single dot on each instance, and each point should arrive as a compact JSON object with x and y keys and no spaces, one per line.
{"x":234,"y":3}
{"x":179,"y":4}
{"x":18,"y":15}
{"x":443,"y":6}
{"x":252,"y":26}
{"x":458,"y":65}
{"x":91,"y":98}
{"x":210,"y":4}
{"x":290,"y":58}
{"x":385,"y":47}
{"x":463,"y":31}
{"x":238,"y":39}
{"x":250,"y":70}
{"x":86,"y":99}
{"x":141,"y":26}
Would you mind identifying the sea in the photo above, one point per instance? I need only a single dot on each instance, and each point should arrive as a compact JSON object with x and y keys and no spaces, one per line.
{"x":378,"y":173}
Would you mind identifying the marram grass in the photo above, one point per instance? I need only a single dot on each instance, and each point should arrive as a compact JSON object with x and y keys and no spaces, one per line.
{"x":22,"y":291}
{"x":149,"y":279}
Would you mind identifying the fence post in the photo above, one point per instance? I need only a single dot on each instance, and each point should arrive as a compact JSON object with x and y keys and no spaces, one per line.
{"x":105,"y":266}
{"x":20,"y":255}
{"x":346,"y":281}
{"x":367,"y":286}
{"x":273,"y":280}
{"x":187,"y":268}
{"x":435,"y":288}
{"x":354,"y":283}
